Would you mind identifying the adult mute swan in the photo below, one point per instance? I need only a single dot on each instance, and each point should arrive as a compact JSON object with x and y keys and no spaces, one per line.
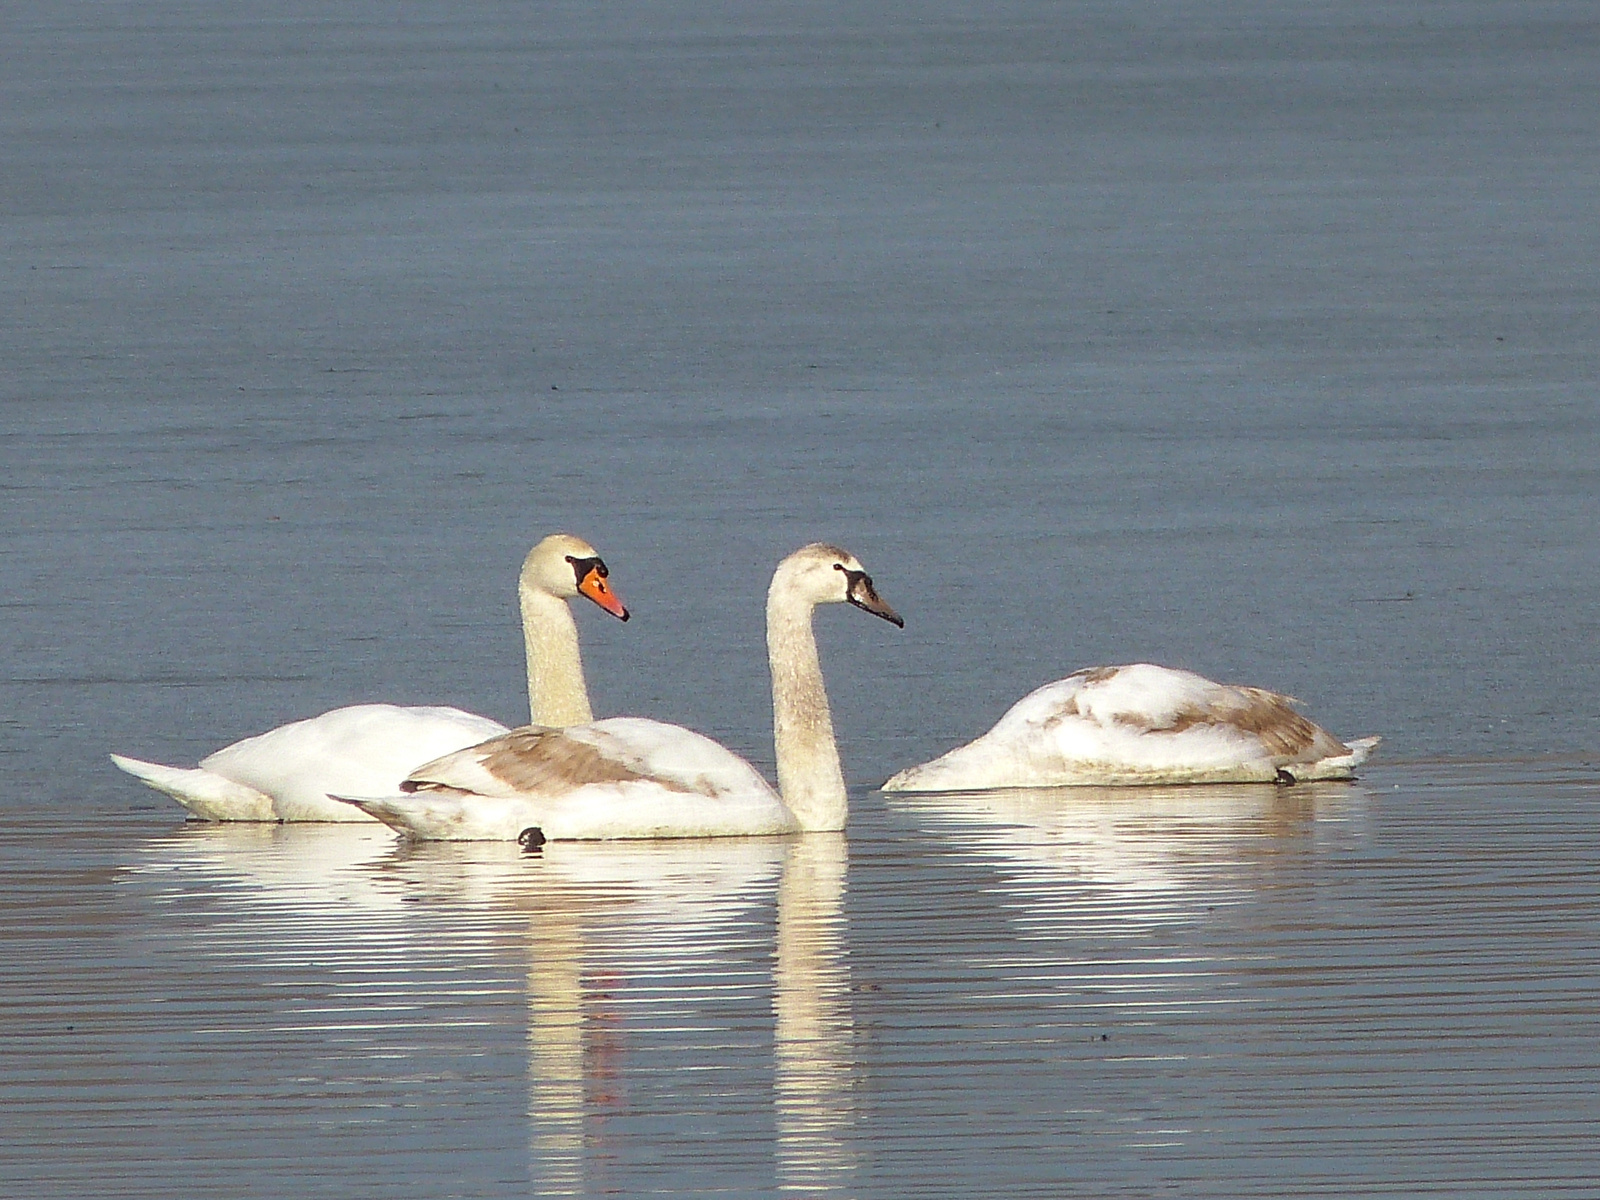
{"x":287,"y":773}
{"x":1141,"y":724}
{"x":629,"y":777}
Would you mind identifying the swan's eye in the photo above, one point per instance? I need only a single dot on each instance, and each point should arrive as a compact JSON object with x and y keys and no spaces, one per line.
{"x":592,"y":574}
{"x":581,"y":567}
{"x":860,"y":592}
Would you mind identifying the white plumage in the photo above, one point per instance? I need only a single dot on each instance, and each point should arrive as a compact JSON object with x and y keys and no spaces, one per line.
{"x":625,"y":777}
{"x":630,"y":777}
{"x":1141,"y":724}
{"x":288,"y":773}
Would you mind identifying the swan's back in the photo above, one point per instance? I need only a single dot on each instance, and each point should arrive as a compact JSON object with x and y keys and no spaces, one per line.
{"x":365,"y":749}
{"x":1147,"y":699}
{"x":536,"y":761}
{"x":1136,"y":724}
{"x":624,"y":777}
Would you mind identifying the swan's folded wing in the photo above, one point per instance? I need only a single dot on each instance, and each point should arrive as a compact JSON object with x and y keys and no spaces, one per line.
{"x":533,"y":760}
{"x":1140,"y":697}
{"x":550,"y":763}
{"x":1144,"y":697}
{"x":674,"y":757}
{"x":1283,"y":731}
{"x":1148,"y":699}
{"x":364,"y":749}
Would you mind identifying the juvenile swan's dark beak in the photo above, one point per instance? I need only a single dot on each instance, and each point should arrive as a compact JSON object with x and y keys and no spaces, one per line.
{"x":860,"y":592}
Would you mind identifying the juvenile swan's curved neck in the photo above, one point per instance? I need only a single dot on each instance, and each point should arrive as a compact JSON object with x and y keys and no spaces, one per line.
{"x":556,"y":692}
{"x":809,"y":776}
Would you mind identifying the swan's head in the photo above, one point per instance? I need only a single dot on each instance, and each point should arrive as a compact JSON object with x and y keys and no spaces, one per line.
{"x":565,"y":566}
{"x":823,"y":574}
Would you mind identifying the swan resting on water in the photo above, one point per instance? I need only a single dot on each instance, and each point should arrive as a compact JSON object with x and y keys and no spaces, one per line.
{"x":1141,"y":724}
{"x":629,"y":777}
{"x":287,"y":773}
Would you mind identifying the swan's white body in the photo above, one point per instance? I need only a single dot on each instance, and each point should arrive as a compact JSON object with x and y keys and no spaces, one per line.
{"x":287,"y":773}
{"x":630,"y":777}
{"x":1141,"y":724}
{"x":624,"y":777}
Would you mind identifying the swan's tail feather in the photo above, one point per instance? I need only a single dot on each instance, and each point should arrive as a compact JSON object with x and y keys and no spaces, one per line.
{"x":1361,"y":749}
{"x":445,"y":815}
{"x":1340,"y":766}
{"x":371,"y":805}
{"x":405,"y":813}
{"x":207,"y":795}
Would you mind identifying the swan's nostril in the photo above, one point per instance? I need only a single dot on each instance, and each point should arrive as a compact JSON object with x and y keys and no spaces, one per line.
{"x":531,"y":838}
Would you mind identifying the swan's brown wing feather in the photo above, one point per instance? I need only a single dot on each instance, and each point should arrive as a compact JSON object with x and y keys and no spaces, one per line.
{"x":532,"y":760}
{"x":1284,"y":732}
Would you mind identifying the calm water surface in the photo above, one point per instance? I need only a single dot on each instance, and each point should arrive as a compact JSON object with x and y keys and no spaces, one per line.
{"x":1384,"y":988}
{"x":1252,"y":337}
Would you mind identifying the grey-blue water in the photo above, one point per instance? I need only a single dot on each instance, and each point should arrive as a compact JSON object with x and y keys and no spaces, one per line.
{"x":1255,"y":338}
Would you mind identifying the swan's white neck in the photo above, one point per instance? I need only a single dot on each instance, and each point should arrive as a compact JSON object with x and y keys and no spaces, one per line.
{"x":810,"y":778}
{"x":556,"y":692}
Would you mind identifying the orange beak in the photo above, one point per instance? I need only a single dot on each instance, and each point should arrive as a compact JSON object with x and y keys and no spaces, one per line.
{"x":595,"y":587}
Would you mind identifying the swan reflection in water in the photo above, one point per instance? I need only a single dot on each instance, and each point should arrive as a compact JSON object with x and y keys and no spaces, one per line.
{"x":675,"y":909}
{"x":611,"y":933}
{"x":814,"y":1036}
{"x":1148,"y":855}
{"x":606,"y":938}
